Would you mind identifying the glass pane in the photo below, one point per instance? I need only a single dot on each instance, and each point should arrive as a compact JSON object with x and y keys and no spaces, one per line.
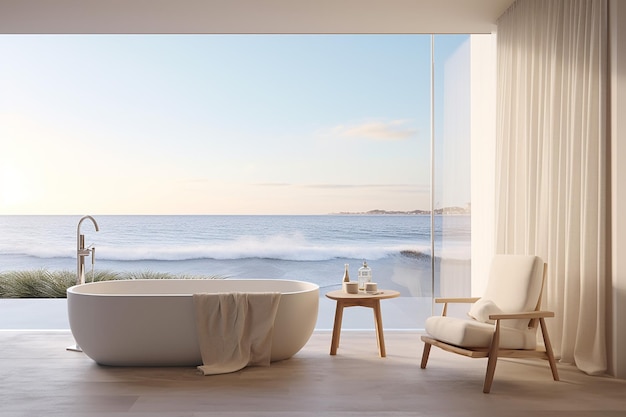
{"x":452,"y":232}
{"x":264,"y":137}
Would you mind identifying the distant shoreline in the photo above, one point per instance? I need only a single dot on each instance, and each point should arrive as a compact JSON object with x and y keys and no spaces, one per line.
{"x":444,"y":210}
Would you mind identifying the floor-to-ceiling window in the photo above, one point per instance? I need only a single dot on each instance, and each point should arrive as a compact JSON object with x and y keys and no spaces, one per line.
{"x":242,"y":156}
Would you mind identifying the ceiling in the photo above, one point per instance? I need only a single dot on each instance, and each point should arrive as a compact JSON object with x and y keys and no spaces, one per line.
{"x":250,"y":16}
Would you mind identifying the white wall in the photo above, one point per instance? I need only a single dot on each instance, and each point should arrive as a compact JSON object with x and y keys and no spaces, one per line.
{"x":617,"y":330}
{"x":483,"y":156}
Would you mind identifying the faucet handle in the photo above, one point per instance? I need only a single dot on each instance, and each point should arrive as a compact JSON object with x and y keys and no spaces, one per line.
{"x":93,"y":255}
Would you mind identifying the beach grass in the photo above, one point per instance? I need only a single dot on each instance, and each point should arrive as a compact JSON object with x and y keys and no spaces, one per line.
{"x":42,"y":283}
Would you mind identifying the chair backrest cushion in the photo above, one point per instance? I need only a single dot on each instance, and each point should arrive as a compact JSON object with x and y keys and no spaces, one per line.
{"x":515,"y":283}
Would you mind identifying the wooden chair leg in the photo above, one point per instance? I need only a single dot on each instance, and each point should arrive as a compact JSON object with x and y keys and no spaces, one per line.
{"x":493,"y":358}
{"x":491,"y":369}
{"x":548,"y":345}
{"x":425,"y":355}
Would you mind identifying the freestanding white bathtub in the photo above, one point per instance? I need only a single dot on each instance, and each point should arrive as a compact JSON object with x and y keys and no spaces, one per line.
{"x":151,"y":322}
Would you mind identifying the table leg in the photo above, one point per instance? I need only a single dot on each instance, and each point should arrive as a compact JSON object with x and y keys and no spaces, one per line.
{"x":380,"y":337}
{"x":336,"y":328}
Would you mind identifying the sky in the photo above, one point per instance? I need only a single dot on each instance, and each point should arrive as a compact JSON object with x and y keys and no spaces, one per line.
{"x":214,"y":124}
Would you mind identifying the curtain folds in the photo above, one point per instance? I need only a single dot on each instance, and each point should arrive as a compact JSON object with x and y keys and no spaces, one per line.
{"x":551,"y":173}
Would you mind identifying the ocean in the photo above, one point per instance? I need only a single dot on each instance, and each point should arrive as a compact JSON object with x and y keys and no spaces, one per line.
{"x":310,"y":248}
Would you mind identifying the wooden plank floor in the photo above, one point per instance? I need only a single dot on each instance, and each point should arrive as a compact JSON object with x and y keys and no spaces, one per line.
{"x":39,"y":377}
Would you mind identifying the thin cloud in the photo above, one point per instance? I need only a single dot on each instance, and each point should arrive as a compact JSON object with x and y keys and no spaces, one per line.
{"x":402,"y":186}
{"x":273,"y":184}
{"x":394,"y":130}
{"x":193,"y":181}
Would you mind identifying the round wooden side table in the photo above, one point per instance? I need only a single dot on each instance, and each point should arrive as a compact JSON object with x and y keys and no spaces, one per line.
{"x":360,"y":300}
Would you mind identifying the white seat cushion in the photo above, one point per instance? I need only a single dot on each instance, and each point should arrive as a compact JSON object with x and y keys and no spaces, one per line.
{"x":471,"y":333}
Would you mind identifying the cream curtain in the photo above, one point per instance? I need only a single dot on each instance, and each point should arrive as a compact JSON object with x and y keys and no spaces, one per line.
{"x":551,"y":153}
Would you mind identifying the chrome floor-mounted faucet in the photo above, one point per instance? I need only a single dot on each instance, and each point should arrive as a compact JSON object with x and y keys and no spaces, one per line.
{"x":82,"y":251}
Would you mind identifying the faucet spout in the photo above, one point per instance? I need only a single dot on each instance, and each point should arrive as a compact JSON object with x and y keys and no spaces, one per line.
{"x":81,"y":251}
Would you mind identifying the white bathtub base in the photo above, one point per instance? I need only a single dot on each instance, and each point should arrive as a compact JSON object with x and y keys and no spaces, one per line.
{"x":151,"y":322}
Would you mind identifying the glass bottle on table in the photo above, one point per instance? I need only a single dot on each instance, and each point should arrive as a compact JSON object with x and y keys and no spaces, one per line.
{"x":365,"y":276}
{"x":346,"y":278}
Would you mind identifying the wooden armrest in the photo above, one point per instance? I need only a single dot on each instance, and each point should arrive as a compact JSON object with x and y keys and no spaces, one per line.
{"x":526,"y":315}
{"x":457,"y":300}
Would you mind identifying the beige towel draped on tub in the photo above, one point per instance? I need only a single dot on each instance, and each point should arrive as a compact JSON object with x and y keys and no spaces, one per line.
{"x":234,"y":330}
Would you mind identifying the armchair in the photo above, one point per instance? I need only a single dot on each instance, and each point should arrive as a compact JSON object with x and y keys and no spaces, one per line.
{"x":502,"y":323}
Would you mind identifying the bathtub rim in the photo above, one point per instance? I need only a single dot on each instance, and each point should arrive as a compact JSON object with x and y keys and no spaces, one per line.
{"x":76,"y":289}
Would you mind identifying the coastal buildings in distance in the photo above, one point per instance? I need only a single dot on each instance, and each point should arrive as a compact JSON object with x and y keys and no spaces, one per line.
{"x":444,"y":210}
